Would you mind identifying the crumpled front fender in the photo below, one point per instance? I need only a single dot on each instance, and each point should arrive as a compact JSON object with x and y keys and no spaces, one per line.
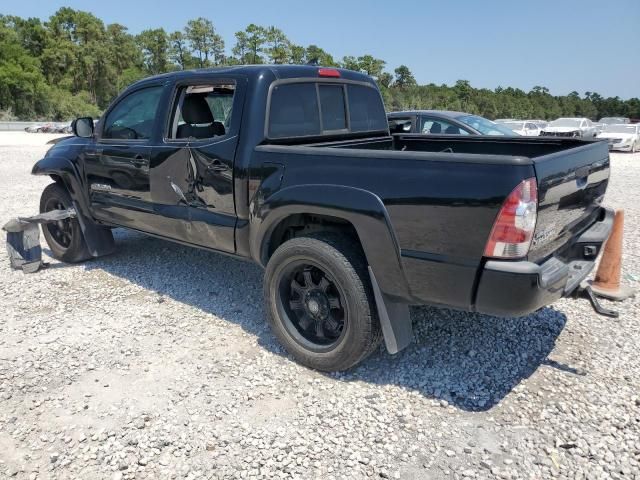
{"x":98,"y":238}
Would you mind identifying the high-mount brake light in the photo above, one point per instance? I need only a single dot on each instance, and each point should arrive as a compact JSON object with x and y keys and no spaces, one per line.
{"x":513,"y":228}
{"x":328,"y":72}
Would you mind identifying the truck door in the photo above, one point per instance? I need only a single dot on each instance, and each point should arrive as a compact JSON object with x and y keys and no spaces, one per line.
{"x":192,"y":170}
{"x":117,"y":167}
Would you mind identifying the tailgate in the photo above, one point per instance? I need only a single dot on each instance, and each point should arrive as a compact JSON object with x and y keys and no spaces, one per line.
{"x":571,"y":187}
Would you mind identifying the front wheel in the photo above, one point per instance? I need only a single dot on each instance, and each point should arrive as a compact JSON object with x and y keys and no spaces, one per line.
{"x":319,"y":302}
{"x":64,"y":237}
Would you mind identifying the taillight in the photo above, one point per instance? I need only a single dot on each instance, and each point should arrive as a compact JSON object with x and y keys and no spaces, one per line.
{"x":513,"y":229}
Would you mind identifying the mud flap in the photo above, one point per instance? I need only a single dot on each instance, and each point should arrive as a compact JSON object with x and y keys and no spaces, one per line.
{"x":394,"y":319}
{"x":99,"y":239}
{"x":23,"y":239}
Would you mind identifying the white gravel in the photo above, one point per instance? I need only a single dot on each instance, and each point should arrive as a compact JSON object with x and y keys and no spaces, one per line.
{"x":156,"y":362}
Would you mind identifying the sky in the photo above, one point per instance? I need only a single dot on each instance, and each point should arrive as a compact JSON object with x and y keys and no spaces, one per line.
{"x":564,"y":45}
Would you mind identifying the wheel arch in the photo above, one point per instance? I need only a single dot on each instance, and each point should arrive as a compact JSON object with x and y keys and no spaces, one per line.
{"x":359,"y":212}
{"x":64,"y":171}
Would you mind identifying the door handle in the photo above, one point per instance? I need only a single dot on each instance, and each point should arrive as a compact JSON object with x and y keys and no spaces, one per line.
{"x":216,"y":166}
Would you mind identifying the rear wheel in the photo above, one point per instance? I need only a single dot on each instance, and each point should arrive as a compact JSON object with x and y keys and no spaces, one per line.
{"x":319,"y":302}
{"x":64,"y":237}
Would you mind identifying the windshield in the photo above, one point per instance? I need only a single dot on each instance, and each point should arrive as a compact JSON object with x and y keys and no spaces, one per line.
{"x":514,"y":125}
{"x":486,"y":127}
{"x":565,"y":122}
{"x":620,"y":128}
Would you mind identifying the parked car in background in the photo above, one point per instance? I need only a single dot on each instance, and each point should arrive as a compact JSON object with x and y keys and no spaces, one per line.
{"x":570,"y":127}
{"x":625,"y":137}
{"x":599,"y":127}
{"x":63,"y":128}
{"x":523,"y":127}
{"x":539,"y":123}
{"x":444,"y":122}
{"x":57,"y":127}
{"x":614,"y":120}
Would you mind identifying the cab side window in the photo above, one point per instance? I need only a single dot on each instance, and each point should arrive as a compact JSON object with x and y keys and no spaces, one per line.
{"x":133,"y":117}
{"x":202,"y":111}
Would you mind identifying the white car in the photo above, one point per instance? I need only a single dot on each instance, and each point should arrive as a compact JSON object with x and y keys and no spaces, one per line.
{"x":525,"y":128}
{"x":570,"y":127}
{"x":625,"y":137}
{"x":540,"y":123}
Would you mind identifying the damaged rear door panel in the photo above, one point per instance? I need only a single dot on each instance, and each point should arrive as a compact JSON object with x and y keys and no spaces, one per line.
{"x":192,"y":179}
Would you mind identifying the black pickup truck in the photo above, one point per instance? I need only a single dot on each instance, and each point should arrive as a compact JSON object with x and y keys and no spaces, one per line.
{"x":294,"y":168}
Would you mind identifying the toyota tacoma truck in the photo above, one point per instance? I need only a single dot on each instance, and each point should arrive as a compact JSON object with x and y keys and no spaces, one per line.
{"x":294,"y":168}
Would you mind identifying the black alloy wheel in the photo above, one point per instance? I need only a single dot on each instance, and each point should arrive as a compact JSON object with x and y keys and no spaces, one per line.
{"x":312,"y":306}
{"x":320,"y":303}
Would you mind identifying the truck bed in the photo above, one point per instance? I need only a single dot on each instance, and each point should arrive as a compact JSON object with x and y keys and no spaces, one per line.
{"x":443,"y":195}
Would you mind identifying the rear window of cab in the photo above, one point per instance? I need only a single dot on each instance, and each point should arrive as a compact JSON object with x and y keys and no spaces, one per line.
{"x":309,"y":109}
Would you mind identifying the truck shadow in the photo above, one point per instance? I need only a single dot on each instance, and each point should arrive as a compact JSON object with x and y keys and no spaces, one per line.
{"x":471,"y":361}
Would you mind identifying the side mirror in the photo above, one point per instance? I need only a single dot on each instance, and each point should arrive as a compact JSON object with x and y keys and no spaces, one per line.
{"x":83,"y":127}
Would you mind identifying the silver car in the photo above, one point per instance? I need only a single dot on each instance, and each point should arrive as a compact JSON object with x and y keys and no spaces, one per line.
{"x":570,"y":127}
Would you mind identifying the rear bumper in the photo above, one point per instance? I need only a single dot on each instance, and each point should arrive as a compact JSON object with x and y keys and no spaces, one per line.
{"x":514,"y":289}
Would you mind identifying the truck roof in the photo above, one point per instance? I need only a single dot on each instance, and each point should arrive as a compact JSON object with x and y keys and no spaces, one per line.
{"x":279,"y":71}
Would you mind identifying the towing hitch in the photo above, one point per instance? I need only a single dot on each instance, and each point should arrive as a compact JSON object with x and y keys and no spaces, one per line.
{"x":587,"y":292}
{"x":23,"y":238}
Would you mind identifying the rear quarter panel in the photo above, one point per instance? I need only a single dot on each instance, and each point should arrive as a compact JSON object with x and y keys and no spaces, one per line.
{"x":441,"y":210}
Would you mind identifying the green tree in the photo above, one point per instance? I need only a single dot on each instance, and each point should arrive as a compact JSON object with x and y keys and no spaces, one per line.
{"x":404,"y":77}
{"x":205,"y":42}
{"x":372,"y":66}
{"x":278,"y":46}
{"x":179,"y":51}
{"x":350,"y":63}
{"x":22,"y":85}
{"x":155,"y":48}
{"x":250,"y":44}
{"x":385,"y":79}
{"x":124,"y":55}
{"x":296,"y":54}
{"x":315,"y":54}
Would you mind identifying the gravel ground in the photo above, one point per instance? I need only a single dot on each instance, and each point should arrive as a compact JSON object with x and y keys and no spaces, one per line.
{"x":156,"y":362}
{"x":23,"y":139}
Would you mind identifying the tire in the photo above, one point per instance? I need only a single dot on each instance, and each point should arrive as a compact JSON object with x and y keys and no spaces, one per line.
{"x":64,"y":238}
{"x":342,"y":263}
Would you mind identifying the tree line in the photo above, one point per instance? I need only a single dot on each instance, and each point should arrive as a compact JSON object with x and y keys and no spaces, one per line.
{"x":74,"y":65}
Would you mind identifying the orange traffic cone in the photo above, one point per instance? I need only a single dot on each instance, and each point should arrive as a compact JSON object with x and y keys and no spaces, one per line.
{"x":607,"y":281}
